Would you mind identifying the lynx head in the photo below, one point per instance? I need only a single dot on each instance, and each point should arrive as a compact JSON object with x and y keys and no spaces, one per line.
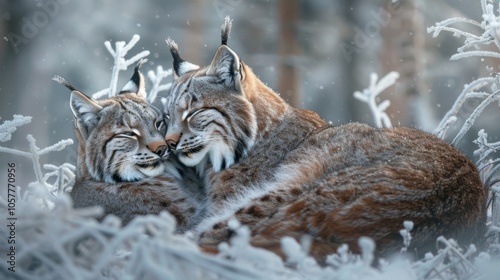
{"x":120,"y":138}
{"x":210,"y":116}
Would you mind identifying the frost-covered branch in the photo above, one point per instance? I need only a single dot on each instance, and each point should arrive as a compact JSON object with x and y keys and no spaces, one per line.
{"x":64,"y":178}
{"x":475,"y":53}
{"x":464,"y":95}
{"x":156,"y":79}
{"x":490,"y":33}
{"x":485,"y":148}
{"x":59,"y":146}
{"x":489,"y":165}
{"x":120,"y":63}
{"x":477,"y":111}
{"x":446,"y":123}
{"x":449,"y":263}
{"x":35,"y":152}
{"x":370,"y":95}
{"x":406,"y":234}
{"x":494,"y":229}
{"x":8,"y":127}
{"x":495,"y":209}
{"x":487,"y":89}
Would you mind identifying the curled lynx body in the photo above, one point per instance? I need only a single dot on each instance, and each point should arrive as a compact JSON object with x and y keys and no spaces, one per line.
{"x":149,"y":196}
{"x":370,"y":182}
{"x":303,"y":177}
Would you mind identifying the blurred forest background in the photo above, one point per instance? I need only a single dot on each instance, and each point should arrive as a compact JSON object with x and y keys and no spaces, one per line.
{"x":316,"y":53}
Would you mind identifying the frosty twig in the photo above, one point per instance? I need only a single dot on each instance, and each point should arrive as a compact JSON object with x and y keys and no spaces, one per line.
{"x":63,"y":178}
{"x":120,"y":63}
{"x":8,"y":127}
{"x":370,"y":95}
{"x":156,"y":79}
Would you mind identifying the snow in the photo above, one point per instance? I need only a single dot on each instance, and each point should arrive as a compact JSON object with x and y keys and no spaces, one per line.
{"x":405,"y":233}
{"x":8,"y":127}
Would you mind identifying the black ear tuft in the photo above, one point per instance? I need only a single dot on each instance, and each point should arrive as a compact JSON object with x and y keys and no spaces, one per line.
{"x":225,"y":30}
{"x":63,"y":82}
{"x":181,"y":66}
{"x":174,"y":51}
{"x":136,"y":83}
{"x":85,"y":109}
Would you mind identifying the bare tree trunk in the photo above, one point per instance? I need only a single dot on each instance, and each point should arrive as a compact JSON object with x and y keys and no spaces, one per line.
{"x":194,"y":38}
{"x":288,"y":76}
{"x":404,"y":52}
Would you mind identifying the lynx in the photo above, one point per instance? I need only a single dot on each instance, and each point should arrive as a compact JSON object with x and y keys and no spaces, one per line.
{"x":283,"y":171}
{"x":122,"y":158}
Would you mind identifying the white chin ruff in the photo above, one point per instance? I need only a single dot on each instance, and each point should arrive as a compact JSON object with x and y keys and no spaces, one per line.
{"x":152,"y":171}
{"x":192,"y":159}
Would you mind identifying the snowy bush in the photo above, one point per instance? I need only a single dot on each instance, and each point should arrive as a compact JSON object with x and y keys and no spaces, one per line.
{"x":486,"y":89}
{"x":55,"y":241}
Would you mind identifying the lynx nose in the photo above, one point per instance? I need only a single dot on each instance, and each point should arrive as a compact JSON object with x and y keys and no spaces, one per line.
{"x":158,"y":148}
{"x":160,"y":151}
{"x":172,"y":140}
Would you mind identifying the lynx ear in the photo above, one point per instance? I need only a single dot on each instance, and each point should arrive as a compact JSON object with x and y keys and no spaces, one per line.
{"x":181,"y":66}
{"x":83,"y":107}
{"x":136,"y":83}
{"x":226,"y":65}
{"x":86,"y":112}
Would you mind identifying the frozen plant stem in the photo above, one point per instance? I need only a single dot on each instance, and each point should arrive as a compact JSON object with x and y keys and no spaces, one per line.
{"x":8,"y":127}
{"x":485,"y":149}
{"x":464,"y":95}
{"x":36,"y":160}
{"x":486,"y":89}
{"x":64,"y":174}
{"x":472,"y":118}
{"x":491,"y":32}
{"x":475,"y":53}
{"x":405,"y":233}
{"x":496,"y":207}
{"x":156,"y":79}
{"x":370,"y":95}
{"x":120,"y":63}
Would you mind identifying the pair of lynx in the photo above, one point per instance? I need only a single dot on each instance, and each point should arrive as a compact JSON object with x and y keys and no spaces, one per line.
{"x":236,"y":150}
